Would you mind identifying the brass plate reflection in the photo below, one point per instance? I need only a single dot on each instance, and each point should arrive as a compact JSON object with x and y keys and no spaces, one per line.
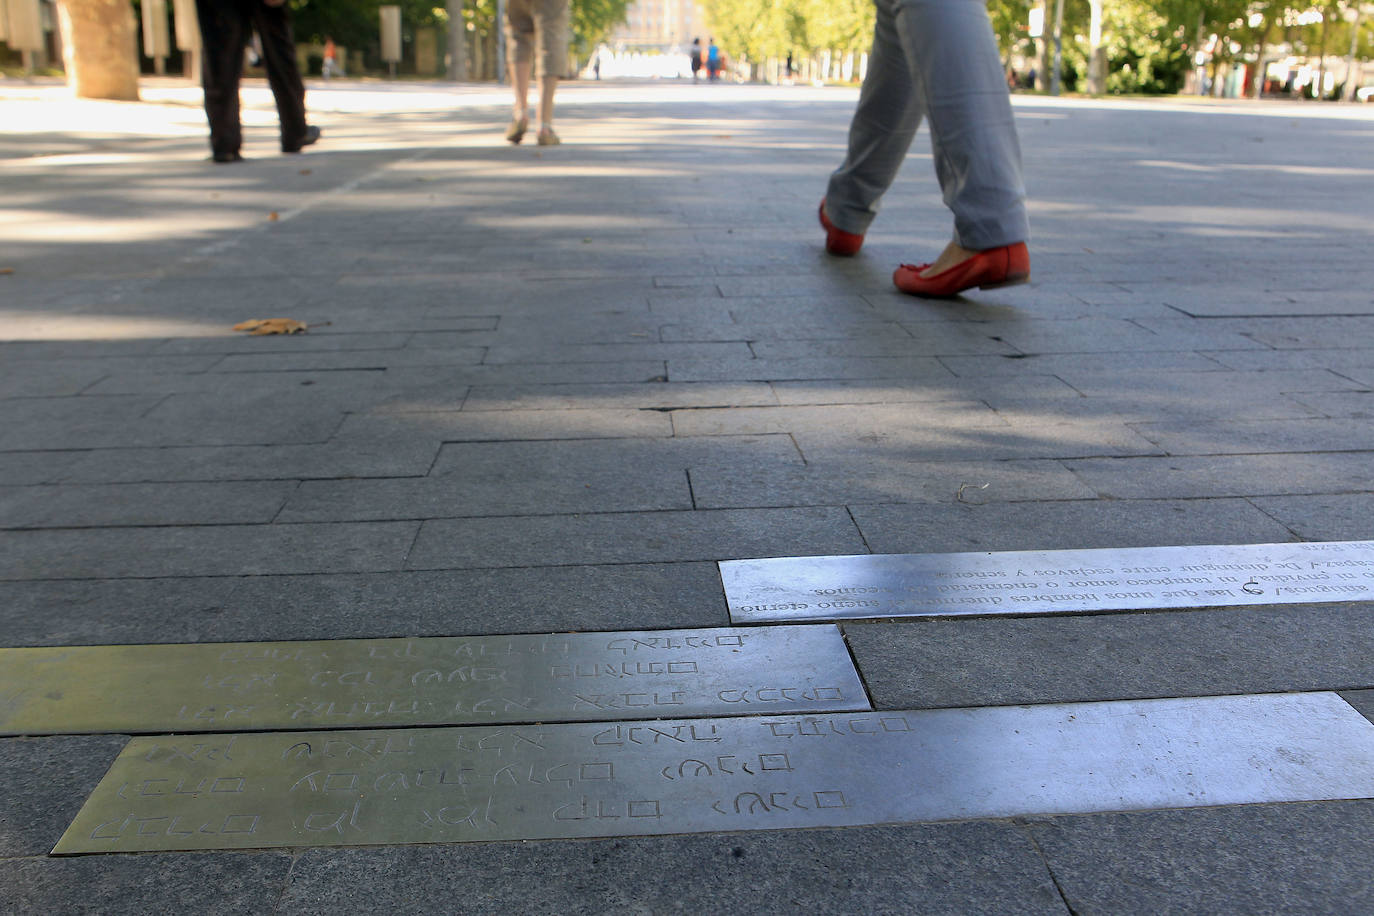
{"x":359,"y":683}
{"x":448,"y":785}
{"x":1046,"y":581}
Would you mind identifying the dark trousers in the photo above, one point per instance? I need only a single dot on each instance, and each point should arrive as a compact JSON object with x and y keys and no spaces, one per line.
{"x":225,"y":27}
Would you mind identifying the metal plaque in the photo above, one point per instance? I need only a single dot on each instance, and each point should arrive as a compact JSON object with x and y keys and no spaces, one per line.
{"x":1046,"y":581}
{"x":359,"y":683}
{"x":750,"y":773}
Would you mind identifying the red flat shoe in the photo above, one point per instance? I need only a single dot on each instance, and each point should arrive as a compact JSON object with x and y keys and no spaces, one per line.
{"x":837,"y":241}
{"x":996,"y":267}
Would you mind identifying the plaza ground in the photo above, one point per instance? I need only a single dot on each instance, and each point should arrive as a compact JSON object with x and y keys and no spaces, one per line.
{"x":547,"y":390}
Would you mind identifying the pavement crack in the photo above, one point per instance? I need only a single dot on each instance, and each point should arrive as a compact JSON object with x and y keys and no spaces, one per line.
{"x":1049,"y":869}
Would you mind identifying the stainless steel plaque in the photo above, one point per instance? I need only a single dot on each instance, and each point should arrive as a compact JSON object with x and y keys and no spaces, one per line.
{"x":752,"y":773}
{"x":1053,"y":581}
{"x":356,"y":683}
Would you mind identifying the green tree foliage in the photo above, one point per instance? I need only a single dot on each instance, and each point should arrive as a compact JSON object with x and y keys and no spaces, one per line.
{"x":593,"y":20}
{"x":356,"y":23}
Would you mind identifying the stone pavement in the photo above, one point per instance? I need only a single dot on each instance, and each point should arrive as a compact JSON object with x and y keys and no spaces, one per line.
{"x":546,"y":390}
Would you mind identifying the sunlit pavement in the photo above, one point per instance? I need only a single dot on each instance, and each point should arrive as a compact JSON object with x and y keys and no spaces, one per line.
{"x":545,"y":390}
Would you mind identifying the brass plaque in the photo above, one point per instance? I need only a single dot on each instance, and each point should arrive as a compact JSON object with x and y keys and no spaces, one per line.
{"x":362,"y":683}
{"x":446,"y":785}
{"x":1046,"y":581}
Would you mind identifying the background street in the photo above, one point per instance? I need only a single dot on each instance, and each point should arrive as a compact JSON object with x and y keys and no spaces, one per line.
{"x":546,"y":390}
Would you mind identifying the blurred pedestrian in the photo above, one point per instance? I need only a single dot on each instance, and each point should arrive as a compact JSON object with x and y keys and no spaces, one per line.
{"x":331,"y":59}
{"x":225,"y":27}
{"x":713,"y":61}
{"x":696,"y":59}
{"x":937,"y":59}
{"x":535,"y":27}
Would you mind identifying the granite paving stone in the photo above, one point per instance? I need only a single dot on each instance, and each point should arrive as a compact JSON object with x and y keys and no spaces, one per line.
{"x":1259,"y":436}
{"x":1362,"y":700}
{"x":1217,"y":384}
{"x":836,"y":328}
{"x":1323,"y":517}
{"x":1234,"y":404}
{"x":1190,"y":334}
{"x":1355,"y":362}
{"x":588,"y":397}
{"x":350,"y":359}
{"x":1225,"y":475}
{"x":199,"y":882}
{"x":1064,"y":364}
{"x":907,"y":421}
{"x":314,"y":341}
{"x":954,"y":869}
{"x":541,"y":478}
{"x":900,"y":391}
{"x":962,"y":442}
{"x":44,"y":782}
{"x":639,"y":537}
{"x":74,"y":506}
{"x":225,"y":550}
{"x":353,"y":384}
{"x":44,"y":381}
{"x":938,"y":341}
{"x":132,"y":421}
{"x":361,"y":458}
{"x":1066,"y":659}
{"x":362,"y":605}
{"x":1068,"y":525}
{"x":1308,"y":858}
{"x":33,"y":468}
{"x":874,"y":478}
{"x":767,"y":370}
{"x":1311,"y":333}
{"x":1355,"y":405}
{"x":501,"y":354}
{"x":1078,"y":335}
{"x":501,"y":425}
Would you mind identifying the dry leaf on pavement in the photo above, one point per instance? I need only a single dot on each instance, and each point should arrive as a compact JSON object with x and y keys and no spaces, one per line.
{"x":271,"y":326}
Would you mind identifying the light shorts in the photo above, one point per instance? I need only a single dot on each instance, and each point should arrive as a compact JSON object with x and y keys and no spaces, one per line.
{"x":542,"y":21}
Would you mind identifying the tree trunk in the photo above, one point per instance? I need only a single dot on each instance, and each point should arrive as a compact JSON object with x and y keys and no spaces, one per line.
{"x":100,"y":48}
{"x":457,"y":42}
{"x":1320,"y":93}
{"x":1097,"y":55}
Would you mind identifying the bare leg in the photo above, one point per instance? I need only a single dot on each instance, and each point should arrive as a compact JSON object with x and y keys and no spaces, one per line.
{"x":520,"y":78}
{"x":547,"y":86}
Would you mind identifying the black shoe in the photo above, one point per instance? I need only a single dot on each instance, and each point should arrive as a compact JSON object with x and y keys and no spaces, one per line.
{"x":312,"y":133}
{"x":229,"y":156}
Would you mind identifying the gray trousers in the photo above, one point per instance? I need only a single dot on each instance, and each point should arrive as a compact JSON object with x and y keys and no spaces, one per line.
{"x":937,"y":59}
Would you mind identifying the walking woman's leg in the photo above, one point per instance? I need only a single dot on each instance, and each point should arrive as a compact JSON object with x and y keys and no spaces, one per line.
{"x":881,"y":131}
{"x":973,"y":134}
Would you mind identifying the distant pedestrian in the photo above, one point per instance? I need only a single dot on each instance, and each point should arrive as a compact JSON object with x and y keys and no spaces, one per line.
{"x":535,"y":27}
{"x":331,"y":59}
{"x":225,"y":27}
{"x":713,"y":61}
{"x":937,"y":60}
{"x":696,"y":59}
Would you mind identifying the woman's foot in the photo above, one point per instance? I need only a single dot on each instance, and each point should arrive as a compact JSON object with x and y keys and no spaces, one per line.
{"x":958,"y":269}
{"x":515,"y":132}
{"x":837,"y":241}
